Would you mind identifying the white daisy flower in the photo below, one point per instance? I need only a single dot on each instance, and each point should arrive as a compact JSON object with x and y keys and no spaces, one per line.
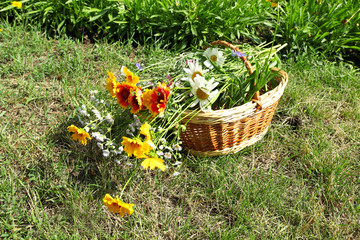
{"x":109,"y":118}
{"x":93,"y":92}
{"x":175,"y":174}
{"x":215,"y":56}
{"x":177,"y":163}
{"x":167,"y":155}
{"x":203,"y":90}
{"x":100,"y":145}
{"x":194,"y":70}
{"x":106,"y":153}
{"x":82,"y":112}
{"x":159,"y":153}
{"x":120,"y":150}
{"x":177,"y":147}
{"x":97,"y":114}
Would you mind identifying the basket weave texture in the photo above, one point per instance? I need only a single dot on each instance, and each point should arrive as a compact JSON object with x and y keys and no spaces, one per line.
{"x":221,"y":132}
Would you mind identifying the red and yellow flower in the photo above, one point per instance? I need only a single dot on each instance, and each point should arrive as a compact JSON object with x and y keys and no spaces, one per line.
{"x":135,"y":101}
{"x":79,"y":134}
{"x":155,"y":100}
{"x":115,"y":205}
{"x":123,"y":93}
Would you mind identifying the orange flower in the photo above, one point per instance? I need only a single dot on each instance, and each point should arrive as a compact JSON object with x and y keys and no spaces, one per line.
{"x":135,"y":101}
{"x":111,"y":84}
{"x":123,"y":93}
{"x":115,"y":205}
{"x":79,"y":134}
{"x":155,"y":100}
{"x":152,"y":163}
{"x":130,"y":77}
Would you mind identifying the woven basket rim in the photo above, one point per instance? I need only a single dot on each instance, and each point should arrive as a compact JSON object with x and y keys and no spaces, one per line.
{"x":265,"y":99}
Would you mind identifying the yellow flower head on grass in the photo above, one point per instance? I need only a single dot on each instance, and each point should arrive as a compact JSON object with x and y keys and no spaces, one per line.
{"x":135,"y":147}
{"x":152,"y":163}
{"x":130,"y":77}
{"x":16,"y":4}
{"x":111,"y":84}
{"x":0,"y":29}
{"x":79,"y":134}
{"x":115,"y":205}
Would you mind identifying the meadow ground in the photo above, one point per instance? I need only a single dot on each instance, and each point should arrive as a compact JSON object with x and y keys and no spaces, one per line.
{"x":300,"y":182}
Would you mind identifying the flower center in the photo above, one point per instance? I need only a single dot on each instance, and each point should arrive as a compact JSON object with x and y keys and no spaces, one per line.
{"x":200,"y":94}
{"x":213,"y":58}
{"x":194,"y":75}
{"x":125,"y":93}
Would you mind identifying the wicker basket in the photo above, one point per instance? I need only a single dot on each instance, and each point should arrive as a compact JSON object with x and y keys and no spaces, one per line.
{"x":227,"y":131}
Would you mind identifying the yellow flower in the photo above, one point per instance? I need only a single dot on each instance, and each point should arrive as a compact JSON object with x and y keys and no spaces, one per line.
{"x":111,"y":84}
{"x":16,"y":4}
{"x":145,"y":130}
{"x":115,"y":205}
{"x":0,"y":29}
{"x":274,"y":4}
{"x":152,"y":163}
{"x":130,"y":77}
{"x":79,"y":134}
{"x":135,"y":147}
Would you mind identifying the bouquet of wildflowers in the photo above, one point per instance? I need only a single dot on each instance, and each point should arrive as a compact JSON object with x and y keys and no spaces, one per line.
{"x":138,"y":122}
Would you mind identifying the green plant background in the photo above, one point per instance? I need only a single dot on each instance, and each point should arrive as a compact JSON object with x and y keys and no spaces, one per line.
{"x":330,"y":27}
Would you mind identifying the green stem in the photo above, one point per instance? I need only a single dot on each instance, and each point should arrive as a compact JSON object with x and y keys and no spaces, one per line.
{"x":128,"y":181}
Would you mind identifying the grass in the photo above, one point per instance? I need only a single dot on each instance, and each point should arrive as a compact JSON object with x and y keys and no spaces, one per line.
{"x":300,"y":182}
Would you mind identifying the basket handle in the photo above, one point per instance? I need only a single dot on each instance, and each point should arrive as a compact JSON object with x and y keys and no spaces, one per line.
{"x":256,"y":97}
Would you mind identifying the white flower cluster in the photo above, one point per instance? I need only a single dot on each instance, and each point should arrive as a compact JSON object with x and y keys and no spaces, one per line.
{"x":92,"y":118}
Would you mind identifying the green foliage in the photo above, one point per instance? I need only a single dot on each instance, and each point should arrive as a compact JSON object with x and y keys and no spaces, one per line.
{"x":330,"y":27}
